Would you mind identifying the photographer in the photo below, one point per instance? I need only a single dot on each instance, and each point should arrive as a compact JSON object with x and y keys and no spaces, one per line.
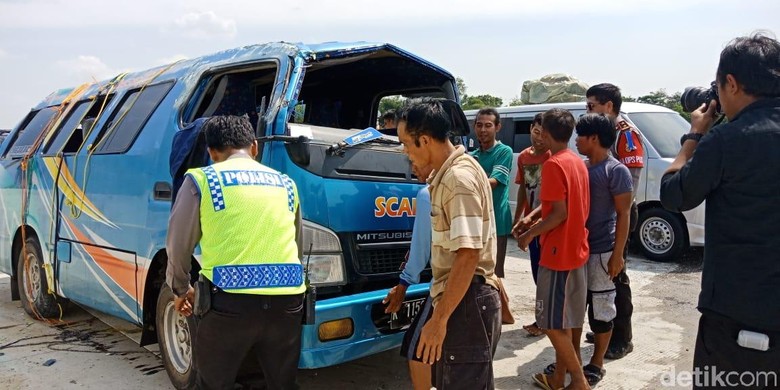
{"x":734,"y":167}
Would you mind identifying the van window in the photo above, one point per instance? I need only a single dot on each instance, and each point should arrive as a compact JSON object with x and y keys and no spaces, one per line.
{"x":522,"y":137}
{"x":68,"y":126}
{"x":345,"y":94}
{"x":30,"y":131}
{"x":507,"y":135}
{"x":130,"y":117}
{"x":239,"y":93}
{"x":77,"y":125}
{"x":662,"y":130}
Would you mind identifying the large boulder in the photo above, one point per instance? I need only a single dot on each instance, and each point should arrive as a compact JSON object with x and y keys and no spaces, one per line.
{"x":553,"y":88}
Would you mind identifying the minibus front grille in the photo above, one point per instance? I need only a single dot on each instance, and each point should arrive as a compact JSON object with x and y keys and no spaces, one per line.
{"x":380,"y":260}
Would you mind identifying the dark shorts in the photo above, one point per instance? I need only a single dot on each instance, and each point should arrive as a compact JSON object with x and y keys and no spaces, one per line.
{"x":473,"y":331}
{"x":561,"y":298}
{"x":412,"y":336}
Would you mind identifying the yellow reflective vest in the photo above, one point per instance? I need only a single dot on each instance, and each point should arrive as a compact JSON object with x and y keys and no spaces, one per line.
{"x":247,"y":216}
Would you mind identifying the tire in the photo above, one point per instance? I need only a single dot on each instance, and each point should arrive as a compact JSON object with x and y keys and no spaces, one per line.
{"x":33,"y":285}
{"x":175,"y":334}
{"x":661,"y":235}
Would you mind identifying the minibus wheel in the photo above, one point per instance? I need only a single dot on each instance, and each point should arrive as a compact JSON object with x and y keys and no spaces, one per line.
{"x":175,"y":334}
{"x":33,"y":285}
{"x":661,"y":235}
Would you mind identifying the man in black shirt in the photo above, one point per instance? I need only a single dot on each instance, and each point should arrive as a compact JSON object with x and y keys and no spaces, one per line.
{"x":735,"y":167}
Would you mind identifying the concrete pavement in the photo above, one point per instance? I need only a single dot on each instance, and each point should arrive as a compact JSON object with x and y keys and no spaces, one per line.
{"x":91,"y":355}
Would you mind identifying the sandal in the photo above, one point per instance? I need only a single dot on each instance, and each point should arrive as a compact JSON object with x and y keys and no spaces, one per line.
{"x":541,"y":380}
{"x":533,"y":330}
{"x":593,"y":374}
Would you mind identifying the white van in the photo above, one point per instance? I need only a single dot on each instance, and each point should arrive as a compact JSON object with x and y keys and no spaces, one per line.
{"x":662,"y":235}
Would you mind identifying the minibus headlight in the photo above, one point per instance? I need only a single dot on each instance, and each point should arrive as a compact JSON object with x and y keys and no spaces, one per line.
{"x":325,"y":262}
{"x":325,"y":270}
{"x":319,"y":238}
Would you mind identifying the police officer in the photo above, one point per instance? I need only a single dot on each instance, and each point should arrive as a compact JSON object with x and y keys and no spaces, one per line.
{"x":247,"y":220}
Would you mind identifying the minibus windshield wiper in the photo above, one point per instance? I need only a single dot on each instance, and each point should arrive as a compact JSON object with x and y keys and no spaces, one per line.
{"x":282,"y":138}
{"x":369,"y":134}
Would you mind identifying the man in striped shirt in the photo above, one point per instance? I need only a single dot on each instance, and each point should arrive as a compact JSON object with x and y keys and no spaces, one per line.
{"x":462,"y":334}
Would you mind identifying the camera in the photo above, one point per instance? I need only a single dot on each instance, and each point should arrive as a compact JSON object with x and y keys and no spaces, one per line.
{"x":693,"y":97}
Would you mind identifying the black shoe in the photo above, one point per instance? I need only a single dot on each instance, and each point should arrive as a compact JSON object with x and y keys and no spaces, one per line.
{"x":618,"y":352}
{"x":590,"y":338}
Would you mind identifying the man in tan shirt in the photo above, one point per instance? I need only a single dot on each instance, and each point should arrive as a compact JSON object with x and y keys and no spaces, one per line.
{"x":461,"y":335}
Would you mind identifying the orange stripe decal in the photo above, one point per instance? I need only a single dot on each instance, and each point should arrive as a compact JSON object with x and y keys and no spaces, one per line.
{"x":121,"y":272}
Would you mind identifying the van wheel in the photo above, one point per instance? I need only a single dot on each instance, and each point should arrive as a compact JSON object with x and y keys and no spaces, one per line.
{"x":176,"y":334}
{"x":661,"y":235}
{"x":33,"y":285}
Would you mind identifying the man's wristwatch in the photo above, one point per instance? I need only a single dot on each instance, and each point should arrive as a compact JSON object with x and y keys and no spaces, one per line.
{"x":694,"y":136}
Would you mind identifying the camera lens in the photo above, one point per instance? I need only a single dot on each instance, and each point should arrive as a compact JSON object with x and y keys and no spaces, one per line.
{"x":693,"y":97}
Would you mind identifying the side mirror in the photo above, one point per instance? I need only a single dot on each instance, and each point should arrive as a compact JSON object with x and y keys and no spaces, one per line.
{"x":299,"y":151}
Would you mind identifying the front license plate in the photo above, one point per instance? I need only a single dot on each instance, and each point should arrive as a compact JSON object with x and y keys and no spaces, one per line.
{"x":409,"y":309}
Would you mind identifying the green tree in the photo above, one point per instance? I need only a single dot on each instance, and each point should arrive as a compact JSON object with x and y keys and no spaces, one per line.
{"x":473,"y":102}
{"x":659,"y":98}
{"x":516,"y":101}
{"x":662,"y":98}
{"x":390,"y":103}
{"x":461,"y":88}
{"x":480,"y":101}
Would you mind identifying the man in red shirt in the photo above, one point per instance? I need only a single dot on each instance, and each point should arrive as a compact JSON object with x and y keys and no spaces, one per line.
{"x":529,"y":181}
{"x":562,"y":283}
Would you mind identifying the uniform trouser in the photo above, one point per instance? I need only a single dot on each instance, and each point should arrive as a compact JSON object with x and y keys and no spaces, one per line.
{"x":719,"y":362}
{"x":621,"y":332}
{"x":501,"y":242}
{"x":270,"y":326}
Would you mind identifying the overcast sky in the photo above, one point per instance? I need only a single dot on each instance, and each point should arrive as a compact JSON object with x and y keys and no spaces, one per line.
{"x":640,"y":45}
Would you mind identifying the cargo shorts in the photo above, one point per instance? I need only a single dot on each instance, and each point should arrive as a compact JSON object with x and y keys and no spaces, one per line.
{"x":473,"y":331}
{"x":601,"y":293}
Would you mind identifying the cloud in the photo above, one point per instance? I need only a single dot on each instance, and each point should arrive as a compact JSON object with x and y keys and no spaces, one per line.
{"x":3,"y":54}
{"x":205,"y":25}
{"x":86,"y":67}
{"x":195,"y":15}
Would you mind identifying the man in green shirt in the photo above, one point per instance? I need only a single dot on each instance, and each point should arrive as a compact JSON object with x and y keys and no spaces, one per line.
{"x":496,"y":160}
